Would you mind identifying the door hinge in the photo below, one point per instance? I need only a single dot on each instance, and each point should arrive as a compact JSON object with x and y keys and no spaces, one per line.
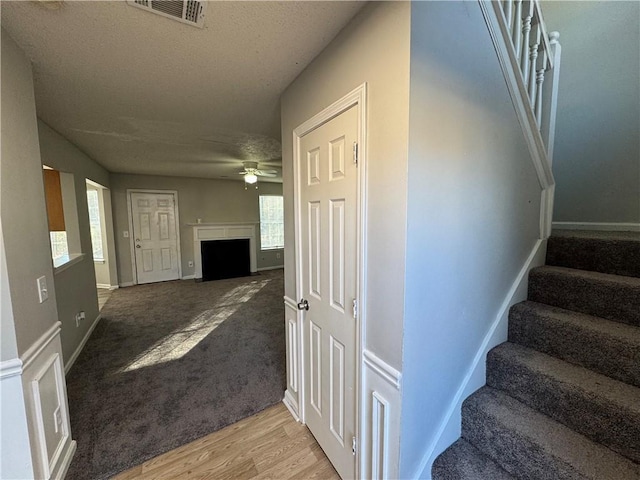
{"x":354,"y":445}
{"x":355,"y":308}
{"x":355,"y":153}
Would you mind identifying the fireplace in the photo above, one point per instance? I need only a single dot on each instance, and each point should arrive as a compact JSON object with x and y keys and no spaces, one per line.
{"x":225,"y":259}
{"x":205,"y":232}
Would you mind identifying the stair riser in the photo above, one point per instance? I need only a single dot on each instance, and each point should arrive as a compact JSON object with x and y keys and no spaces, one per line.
{"x":602,"y":298}
{"x":606,"y":355}
{"x":595,"y":417}
{"x":618,"y":257}
{"x":515,"y":453}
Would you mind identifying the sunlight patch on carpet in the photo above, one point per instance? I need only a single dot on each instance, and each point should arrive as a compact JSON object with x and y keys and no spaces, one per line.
{"x":180,"y":342}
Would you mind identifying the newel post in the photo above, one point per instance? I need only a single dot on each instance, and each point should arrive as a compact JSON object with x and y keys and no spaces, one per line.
{"x":550,"y":96}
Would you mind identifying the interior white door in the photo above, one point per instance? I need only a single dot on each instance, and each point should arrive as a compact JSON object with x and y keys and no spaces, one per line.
{"x":328,"y":200}
{"x":155,"y":236}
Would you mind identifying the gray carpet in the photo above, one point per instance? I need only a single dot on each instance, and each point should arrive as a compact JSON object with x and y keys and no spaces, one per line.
{"x":562,"y":398}
{"x":172,"y":362}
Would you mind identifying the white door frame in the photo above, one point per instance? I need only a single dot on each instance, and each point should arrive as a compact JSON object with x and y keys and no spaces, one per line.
{"x":131,"y":235}
{"x":357,"y":98}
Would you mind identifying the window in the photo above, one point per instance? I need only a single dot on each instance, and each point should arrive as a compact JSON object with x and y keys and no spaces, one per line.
{"x":271,"y":222}
{"x":94,"y":223}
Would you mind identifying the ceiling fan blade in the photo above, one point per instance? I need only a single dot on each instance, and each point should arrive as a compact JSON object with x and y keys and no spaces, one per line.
{"x":267,"y":173}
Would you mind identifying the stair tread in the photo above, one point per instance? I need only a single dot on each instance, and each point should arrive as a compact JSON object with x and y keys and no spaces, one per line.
{"x":598,"y":235}
{"x":601,"y":408}
{"x":463,"y":461}
{"x":633,"y":282}
{"x":574,"y":452}
{"x":614,"y":297}
{"x":608,"y":347}
{"x":619,"y":393}
{"x":621,"y":331}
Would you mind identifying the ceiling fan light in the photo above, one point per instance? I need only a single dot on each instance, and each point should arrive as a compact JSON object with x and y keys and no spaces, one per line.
{"x":250,"y":178}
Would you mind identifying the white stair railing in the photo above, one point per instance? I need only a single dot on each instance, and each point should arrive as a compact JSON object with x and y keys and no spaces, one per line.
{"x":528,"y":56}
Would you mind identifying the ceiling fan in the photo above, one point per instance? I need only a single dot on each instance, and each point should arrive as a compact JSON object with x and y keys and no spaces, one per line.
{"x":251,"y":172}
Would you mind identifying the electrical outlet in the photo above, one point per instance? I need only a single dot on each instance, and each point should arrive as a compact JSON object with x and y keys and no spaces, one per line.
{"x":43,"y":293}
{"x":278,"y":255}
{"x":77,"y":319}
{"x":190,"y":263}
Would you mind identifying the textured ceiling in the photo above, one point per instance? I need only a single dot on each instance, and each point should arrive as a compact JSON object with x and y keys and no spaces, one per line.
{"x":141,"y":93}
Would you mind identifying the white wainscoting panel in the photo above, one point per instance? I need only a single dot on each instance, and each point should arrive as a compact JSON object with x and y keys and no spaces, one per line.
{"x":47,"y":411}
{"x":292,"y":332}
{"x":380,"y":426}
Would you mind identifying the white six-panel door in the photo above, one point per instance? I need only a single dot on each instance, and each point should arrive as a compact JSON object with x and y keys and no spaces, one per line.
{"x":328,"y":211}
{"x":155,"y":236}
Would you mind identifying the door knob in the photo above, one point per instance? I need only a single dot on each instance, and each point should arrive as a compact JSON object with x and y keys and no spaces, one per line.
{"x":303,"y":304}
{"x":138,"y":246}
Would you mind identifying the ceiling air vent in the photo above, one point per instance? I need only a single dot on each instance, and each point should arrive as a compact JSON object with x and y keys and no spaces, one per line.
{"x":185,"y":11}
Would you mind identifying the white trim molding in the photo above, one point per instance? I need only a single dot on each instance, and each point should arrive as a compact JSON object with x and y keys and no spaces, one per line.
{"x":384,"y":370}
{"x":10,"y":368}
{"x":39,"y":345}
{"x":126,"y":284}
{"x":78,"y":350}
{"x":449,"y":429}
{"x":601,"y":226}
{"x":106,"y":286}
{"x":274,"y":267}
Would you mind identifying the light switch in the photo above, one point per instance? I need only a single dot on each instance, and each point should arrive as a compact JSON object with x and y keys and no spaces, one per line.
{"x":125,"y":234}
{"x":43,"y":293}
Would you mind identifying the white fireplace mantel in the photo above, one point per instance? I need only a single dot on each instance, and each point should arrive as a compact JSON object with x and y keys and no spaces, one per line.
{"x":222,"y":231}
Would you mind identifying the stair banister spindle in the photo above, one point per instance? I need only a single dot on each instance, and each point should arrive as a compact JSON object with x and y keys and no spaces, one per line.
{"x":526,"y":33}
{"x":516,"y":30}
{"x":550,"y":95}
{"x":508,"y":13}
{"x":539,"y":83}
{"x":533,"y":62}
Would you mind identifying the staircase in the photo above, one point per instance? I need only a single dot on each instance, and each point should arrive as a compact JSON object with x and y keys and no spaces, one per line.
{"x":562,"y":399}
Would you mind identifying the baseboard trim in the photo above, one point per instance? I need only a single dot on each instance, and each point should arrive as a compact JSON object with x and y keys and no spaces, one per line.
{"x":605,"y":226}
{"x":106,"y":286}
{"x":126,"y":284}
{"x":382,"y":368}
{"x":288,"y":402}
{"x":189,"y":277}
{"x":63,"y":468}
{"x":275,"y":267}
{"x":10,"y":368}
{"x":40,"y":344}
{"x":74,"y":357}
{"x":476,"y":376}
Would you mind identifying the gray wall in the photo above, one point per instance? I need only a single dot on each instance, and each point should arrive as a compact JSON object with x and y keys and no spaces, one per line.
{"x":597,"y":149}
{"x":214,"y":201}
{"x":25,"y":254}
{"x":75,"y":286}
{"x":473,"y":212}
{"x":23,"y":209}
{"x":373,"y":48}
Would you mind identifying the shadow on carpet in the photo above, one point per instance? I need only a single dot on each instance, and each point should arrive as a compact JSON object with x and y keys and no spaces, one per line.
{"x":172,"y":362}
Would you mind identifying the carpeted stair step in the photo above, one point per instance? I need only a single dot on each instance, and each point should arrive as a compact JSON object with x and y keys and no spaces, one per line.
{"x":605,"y":410}
{"x":608,"y":296}
{"x":607,"y":347}
{"x":463,"y":461}
{"x":531,"y":445}
{"x":607,"y":252}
